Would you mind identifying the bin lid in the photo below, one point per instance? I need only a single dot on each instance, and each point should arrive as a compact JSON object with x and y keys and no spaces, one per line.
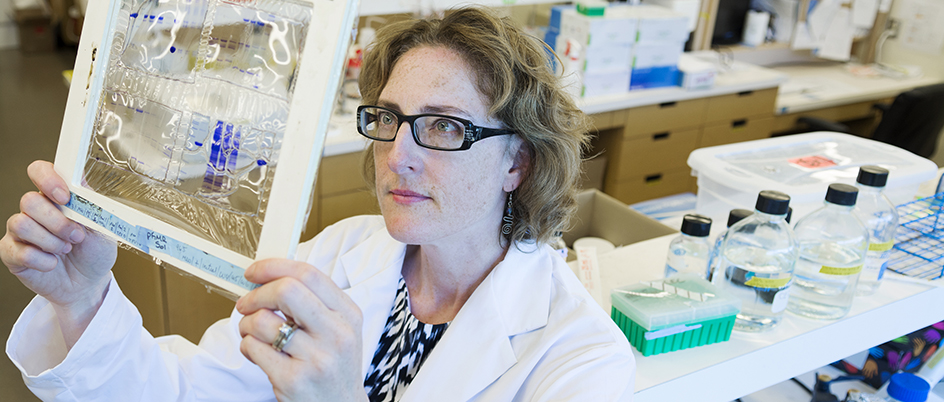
{"x":682,"y":299}
{"x":805,"y":164}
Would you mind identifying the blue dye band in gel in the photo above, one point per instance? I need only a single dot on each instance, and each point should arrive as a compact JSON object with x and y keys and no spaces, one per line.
{"x":146,"y":239}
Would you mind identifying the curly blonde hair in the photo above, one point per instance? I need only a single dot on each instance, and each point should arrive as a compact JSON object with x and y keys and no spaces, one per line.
{"x":514,"y":73}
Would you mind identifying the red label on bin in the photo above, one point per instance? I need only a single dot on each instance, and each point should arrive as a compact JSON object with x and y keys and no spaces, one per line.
{"x":812,"y":162}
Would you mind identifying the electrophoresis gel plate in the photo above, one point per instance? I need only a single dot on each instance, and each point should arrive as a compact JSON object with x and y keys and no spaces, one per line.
{"x":194,"y":128}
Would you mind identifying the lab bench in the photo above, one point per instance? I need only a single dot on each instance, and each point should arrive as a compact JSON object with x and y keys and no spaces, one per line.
{"x":749,"y":362}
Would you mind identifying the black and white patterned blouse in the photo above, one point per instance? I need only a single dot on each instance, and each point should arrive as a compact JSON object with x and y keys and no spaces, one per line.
{"x":403,"y":347}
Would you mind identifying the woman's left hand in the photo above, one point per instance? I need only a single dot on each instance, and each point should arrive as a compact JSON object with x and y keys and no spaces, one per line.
{"x":322,"y":360}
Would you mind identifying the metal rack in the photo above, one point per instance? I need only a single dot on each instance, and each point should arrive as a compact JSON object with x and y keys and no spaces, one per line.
{"x":919,"y":242}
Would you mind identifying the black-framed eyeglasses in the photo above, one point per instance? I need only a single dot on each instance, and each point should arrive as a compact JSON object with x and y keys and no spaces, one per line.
{"x":433,"y":131}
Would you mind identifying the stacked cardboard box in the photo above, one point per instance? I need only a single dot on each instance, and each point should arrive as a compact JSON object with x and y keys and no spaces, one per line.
{"x":660,"y":41}
{"x":628,"y":47}
{"x":595,"y":51}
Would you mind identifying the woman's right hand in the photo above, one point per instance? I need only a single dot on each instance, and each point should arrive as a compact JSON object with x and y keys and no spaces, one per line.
{"x":55,"y":257}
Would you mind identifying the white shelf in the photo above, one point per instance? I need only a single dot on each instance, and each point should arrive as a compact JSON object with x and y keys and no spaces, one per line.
{"x":380,"y":7}
{"x":750,"y":362}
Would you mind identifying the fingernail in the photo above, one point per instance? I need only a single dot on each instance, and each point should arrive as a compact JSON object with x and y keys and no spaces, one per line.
{"x":239,"y":303}
{"x":75,"y":236}
{"x":60,"y":195}
{"x":66,"y":249}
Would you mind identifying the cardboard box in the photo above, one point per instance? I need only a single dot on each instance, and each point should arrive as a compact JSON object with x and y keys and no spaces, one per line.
{"x":605,"y":83}
{"x":649,"y":55}
{"x":616,"y":57}
{"x":37,"y":33}
{"x":595,"y":31}
{"x":654,"y":23}
{"x":695,"y":74}
{"x":574,"y":56}
{"x":688,"y":8}
{"x":600,"y":215}
{"x":589,"y":84}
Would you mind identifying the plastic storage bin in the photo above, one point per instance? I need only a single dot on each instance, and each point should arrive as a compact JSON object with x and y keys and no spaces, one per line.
{"x":673,"y":314}
{"x":802,"y":166}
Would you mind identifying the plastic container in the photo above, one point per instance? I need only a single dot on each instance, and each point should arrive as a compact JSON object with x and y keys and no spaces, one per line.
{"x":881,"y":219}
{"x":756,"y":263}
{"x":905,"y":387}
{"x":673,"y":314}
{"x":734,"y":216}
{"x":832,"y":242}
{"x":802,"y":165}
{"x":933,"y":369}
{"x":689,"y":252}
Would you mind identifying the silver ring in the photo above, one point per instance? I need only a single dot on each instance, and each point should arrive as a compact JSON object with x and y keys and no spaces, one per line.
{"x":286,"y":331}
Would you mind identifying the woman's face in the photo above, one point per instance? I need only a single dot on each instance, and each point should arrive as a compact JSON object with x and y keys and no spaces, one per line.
{"x":429,"y":196}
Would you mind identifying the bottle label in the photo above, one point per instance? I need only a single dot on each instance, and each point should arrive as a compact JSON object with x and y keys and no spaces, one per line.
{"x":840,"y":271}
{"x":767,"y":283}
{"x":882,"y":246}
{"x":780,"y":301}
{"x":875,"y":263}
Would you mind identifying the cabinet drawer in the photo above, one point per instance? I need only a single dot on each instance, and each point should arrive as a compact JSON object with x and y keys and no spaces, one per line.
{"x":341,"y":173}
{"x":653,"y":153}
{"x":665,"y":116}
{"x":642,"y":188}
{"x":337,"y":207}
{"x":605,"y":120}
{"x":741,"y":105}
{"x":736,"y":131}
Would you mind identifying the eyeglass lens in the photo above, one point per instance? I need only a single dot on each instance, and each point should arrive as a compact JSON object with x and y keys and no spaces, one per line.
{"x":430,"y":130}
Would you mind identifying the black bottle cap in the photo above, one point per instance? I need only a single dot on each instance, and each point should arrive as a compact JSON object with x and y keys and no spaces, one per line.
{"x":772,"y":202}
{"x":736,"y":215}
{"x":873,"y":176}
{"x":696,"y":225}
{"x":842,"y":194}
{"x":789,"y":214}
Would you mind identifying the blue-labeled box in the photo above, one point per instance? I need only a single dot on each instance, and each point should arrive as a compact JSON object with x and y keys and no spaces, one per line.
{"x":653,"y":77}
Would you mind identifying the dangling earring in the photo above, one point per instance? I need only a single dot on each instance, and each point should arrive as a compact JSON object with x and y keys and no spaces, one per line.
{"x":508,"y":219}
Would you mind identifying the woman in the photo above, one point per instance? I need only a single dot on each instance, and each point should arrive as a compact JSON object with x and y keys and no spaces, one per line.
{"x":451,"y":295}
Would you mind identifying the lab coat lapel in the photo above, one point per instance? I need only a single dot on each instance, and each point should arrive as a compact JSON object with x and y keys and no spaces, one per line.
{"x":476,"y":349}
{"x":373,"y":270}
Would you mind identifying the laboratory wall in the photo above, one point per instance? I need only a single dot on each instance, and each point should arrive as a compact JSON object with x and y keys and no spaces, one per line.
{"x":919,"y":43}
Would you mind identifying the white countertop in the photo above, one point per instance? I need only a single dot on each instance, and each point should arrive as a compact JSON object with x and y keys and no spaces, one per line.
{"x":822,"y":85}
{"x":750,"y":362}
{"x":739,"y":77}
{"x":342,"y":136}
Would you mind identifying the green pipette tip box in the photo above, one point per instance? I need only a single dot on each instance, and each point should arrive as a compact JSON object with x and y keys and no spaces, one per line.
{"x":681,"y":312}
{"x":592,"y":8}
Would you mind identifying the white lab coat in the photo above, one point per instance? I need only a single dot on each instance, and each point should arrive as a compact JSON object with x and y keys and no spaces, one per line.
{"x":529,"y":332}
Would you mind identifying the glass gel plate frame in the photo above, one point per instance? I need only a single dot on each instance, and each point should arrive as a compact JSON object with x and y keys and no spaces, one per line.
{"x":116,"y":33}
